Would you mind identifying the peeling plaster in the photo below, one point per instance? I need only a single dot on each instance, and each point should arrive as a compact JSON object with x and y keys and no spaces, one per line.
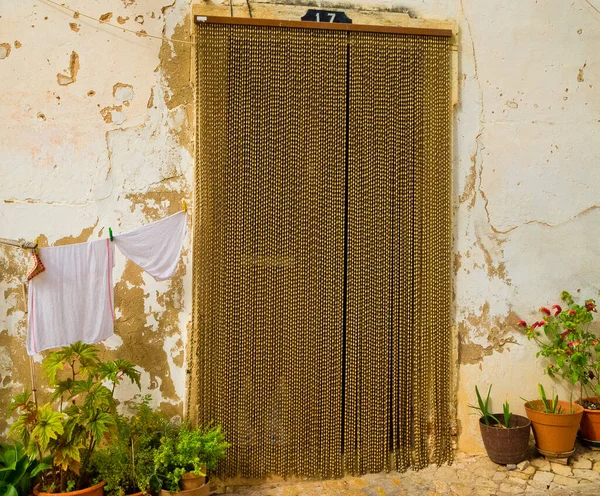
{"x":71,"y":77}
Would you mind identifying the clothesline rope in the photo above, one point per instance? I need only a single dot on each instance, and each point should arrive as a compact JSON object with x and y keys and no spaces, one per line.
{"x":137,"y":33}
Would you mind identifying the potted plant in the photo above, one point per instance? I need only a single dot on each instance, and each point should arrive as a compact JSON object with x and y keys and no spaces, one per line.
{"x":19,"y":471}
{"x":555,"y":424}
{"x":126,"y":464}
{"x":183,"y":456}
{"x":566,"y":339}
{"x":505,"y":436}
{"x":81,"y":412}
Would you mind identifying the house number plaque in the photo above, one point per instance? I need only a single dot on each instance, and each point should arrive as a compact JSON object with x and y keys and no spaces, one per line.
{"x":316,"y":15}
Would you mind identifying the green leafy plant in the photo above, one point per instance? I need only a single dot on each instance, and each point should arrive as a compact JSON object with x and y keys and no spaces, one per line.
{"x":18,"y":470}
{"x":81,"y":412}
{"x":507,"y":414}
{"x":184,"y":449}
{"x":127,"y":463}
{"x":549,"y":405}
{"x":483,"y":407}
{"x":566,"y":340}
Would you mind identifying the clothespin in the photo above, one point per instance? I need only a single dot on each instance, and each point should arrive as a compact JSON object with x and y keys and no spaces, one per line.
{"x":184,"y":205}
{"x":110,"y":234}
{"x":37,"y":242}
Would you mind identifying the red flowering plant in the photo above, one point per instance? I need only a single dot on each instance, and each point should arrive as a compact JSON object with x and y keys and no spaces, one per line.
{"x":566,"y":340}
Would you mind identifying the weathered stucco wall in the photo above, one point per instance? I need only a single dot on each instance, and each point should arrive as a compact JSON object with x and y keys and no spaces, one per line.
{"x":98,"y":131}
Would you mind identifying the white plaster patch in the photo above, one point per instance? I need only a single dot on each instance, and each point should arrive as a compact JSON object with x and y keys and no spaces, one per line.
{"x":113,"y":342}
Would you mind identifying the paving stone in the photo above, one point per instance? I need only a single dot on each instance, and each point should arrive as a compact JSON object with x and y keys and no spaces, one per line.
{"x":519,"y":476}
{"x":335,"y":484}
{"x":544,"y":478}
{"x":589,"y":475}
{"x":588,"y":488}
{"x":461,"y":489}
{"x":596,"y":467}
{"x":541,"y":464}
{"x":484,"y":483}
{"x":584,"y":463}
{"x":356,"y":483}
{"x":510,"y":489}
{"x":523,"y":465}
{"x":484,"y":472}
{"x":560,"y":469}
{"x":500,"y":476}
{"x":556,"y":490}
{"x":290,"y":491}
{"x":441,"y":486}
{"x":530,"y":470}
{"x":565,"y":481}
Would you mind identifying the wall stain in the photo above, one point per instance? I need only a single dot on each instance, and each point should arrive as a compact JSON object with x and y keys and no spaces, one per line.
{"x":18,"y":44}
{"x":74,"y":26}
{"x":5,"y":49}
{"x":82,"y":237}
{"x":71,"y":77}
{"x":580,"y":73}
{"x":498,"y":336}
{"x":123,"y":92}
{"x":106,"y":17}
{"x":178,"y":80}
{"x":152,"y":203}
{"x":122,"y":20}
{"x":469,"y":191}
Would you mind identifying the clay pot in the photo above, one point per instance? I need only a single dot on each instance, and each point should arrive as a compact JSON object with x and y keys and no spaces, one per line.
{"x":504,"y":446}
{"x":97,"y":490}
{"x":554,"y":433}
{"x":192,"y":485}
{"x":590,"y":422}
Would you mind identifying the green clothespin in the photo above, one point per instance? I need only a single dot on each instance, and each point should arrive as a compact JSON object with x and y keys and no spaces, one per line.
{"x":110,"y":234}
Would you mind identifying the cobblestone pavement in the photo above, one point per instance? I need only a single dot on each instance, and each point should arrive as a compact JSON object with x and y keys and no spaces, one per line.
{"x":468,"y":475}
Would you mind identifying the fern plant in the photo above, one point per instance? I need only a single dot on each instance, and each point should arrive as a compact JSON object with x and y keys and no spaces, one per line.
{"x":81,"y":412}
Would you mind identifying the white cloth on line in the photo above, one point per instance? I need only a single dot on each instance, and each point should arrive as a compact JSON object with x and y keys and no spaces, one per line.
{"x":72,"y":300}
{"x":155,"y":247}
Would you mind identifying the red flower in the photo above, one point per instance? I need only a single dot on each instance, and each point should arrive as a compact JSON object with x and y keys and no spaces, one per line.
{"x":572,"y":312}
{"x":522,"y":323}
{"x":594,"y":342}
{"x":557,"y":308}
{"x":566,"y":333}
{"x":569,"y":352}
{"x":572,"y":344}
{"x":590,"y":307}
{"x":545,"y":310}
{"x":541,"y":323}
{"x":534,"y":325}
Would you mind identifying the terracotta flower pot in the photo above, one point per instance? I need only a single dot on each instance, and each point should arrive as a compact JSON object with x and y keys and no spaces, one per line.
{"x":590,"y":422}
{"x":504,"y":446}
{"x":97,"y":490}
{"x":192,"y":485}
{"x":554,"y":433}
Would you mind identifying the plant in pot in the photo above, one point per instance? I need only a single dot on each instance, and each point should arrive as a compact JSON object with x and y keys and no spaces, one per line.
{"x":184,"y":455}
{"x":81,"y":412}
{"x":126,"y":464}
{"x":19,"y":472}
{"x":505,"y":436}
{"x":566,"y":339}
{"x":555,"y":424}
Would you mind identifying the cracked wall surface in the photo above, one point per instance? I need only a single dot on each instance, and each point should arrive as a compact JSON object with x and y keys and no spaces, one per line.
{"x":98,"y":131}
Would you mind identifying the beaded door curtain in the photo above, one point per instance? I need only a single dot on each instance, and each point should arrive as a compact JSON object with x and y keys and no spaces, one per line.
{"x":320,"y":331}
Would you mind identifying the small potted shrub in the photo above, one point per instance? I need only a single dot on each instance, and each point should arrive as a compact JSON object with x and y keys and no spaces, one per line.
{"x":568,"y":342}
{"x":184,"y":455}
{"x":555,"y":424}
{"x":126,"y":464}
{"x":505,"y":436}
{"x":81,"y":412}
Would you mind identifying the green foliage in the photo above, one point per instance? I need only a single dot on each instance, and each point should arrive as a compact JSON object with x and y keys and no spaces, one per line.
{"x":566,"y":340}
{"x":507,"y":414}
{"x":81,"y":414}
{"x":549,"y":405}
{"x":184,"y":450}
{"x":18,"y":470}
{"x":127,"y":463}
{"x":483,"y":407}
